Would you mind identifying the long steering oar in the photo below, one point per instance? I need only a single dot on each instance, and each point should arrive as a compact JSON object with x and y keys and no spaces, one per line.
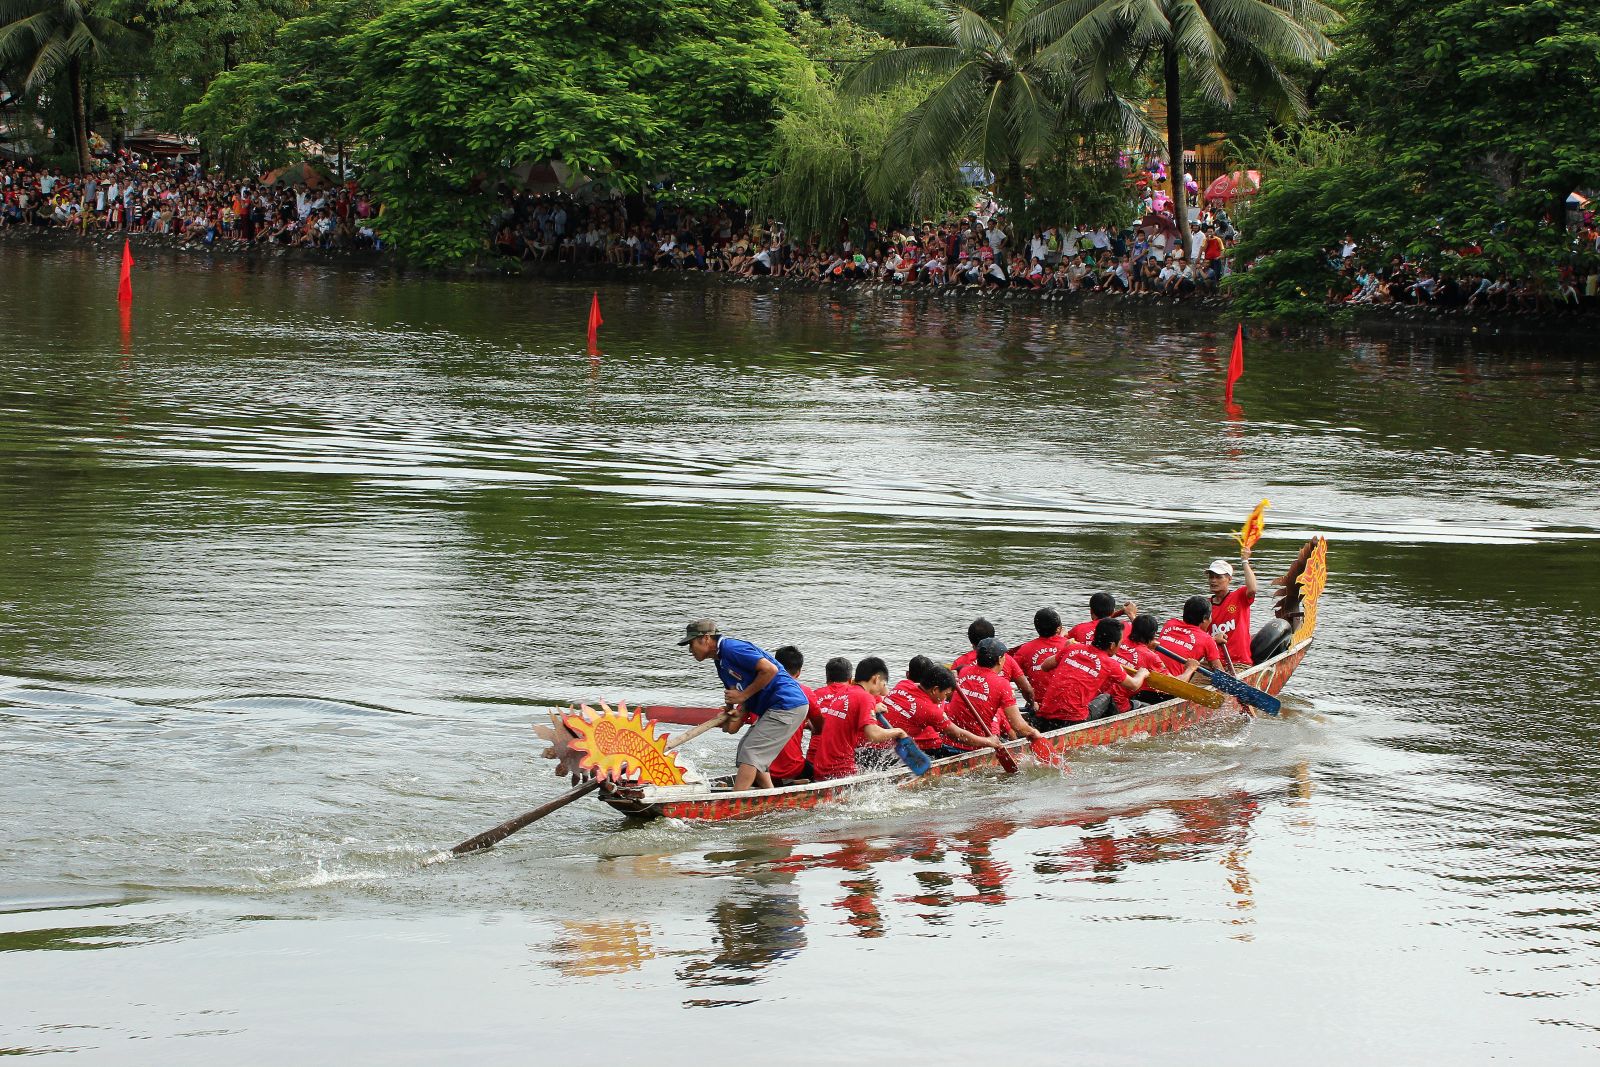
{"x":1008,"y":762}
{"x":493,"y":837}
{"x":1245,"y":694}
{"x":916,"y":760}
{"x":1177,"y":687}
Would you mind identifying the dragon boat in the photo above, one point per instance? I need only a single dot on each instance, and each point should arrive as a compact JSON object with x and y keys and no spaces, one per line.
{"x":640,"y":778}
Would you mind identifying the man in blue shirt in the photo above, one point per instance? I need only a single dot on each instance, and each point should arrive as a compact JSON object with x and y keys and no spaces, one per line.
{"x":756,"y":682}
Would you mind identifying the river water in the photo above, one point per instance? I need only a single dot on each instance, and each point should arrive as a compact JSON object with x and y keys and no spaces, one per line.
{"x":290,"y":567}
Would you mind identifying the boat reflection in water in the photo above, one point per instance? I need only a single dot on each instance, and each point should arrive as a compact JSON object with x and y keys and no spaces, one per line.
{"x":760,"y":922}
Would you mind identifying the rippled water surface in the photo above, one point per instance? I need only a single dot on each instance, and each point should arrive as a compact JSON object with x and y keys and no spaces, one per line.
{"x":287,"y":571}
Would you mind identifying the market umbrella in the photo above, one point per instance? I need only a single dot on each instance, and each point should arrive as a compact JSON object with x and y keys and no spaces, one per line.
{"x":1160,"y":222}
{"x":302,"y":173}
{"x":1239,"y":183}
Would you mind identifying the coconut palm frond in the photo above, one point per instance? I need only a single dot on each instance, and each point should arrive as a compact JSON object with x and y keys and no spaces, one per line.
{"x":1192,"y":32}
{"x":1033,"y":117}
{"x":898,"y":66}
{"x":1050,"y":19}
{"x":22,"y":36}
{"x":972,"y":32}
{"x":1092,"y":31}
{"x":51,"y":57}
{"x":111,"y":32}
{"x":1269,"y":27}
{"x":935,"y":133}
{"x":1261,"y":76}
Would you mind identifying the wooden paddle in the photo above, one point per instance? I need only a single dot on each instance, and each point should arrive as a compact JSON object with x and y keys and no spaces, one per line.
{"x":1007,"y":761}
{"x":1177,"y":687}
{"x":1244,"y":693}
{"x":489,"y":838}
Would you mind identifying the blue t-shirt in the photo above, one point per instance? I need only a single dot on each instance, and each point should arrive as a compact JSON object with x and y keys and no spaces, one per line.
{"x":737,"y":663}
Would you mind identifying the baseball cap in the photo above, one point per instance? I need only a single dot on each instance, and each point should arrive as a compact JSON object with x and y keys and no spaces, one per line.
{"x":991,"y":648}
{"x":1220,"y":566}
{"x":699,"y":628}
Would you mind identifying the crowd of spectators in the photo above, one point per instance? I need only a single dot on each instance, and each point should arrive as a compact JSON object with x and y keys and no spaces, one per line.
{"x":130,"y":194}
{"x":1468,"y":288}
{"x":133,"y":195}
{"x":974,"y":251}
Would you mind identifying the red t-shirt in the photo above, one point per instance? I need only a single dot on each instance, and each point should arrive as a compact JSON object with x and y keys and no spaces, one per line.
{"x":1009,"y":666}
{"x":990,"y":694}
{"x":1139,"y":657}
{"x":792,"y":760}
{"x":1190,"y":642}
{"x":1035,"y":652}
{"x":845,"y":709}
{"x":1230,"y":624}
{"x":1083,"y":633}
{"x":908,"y":707}
{"x":1083,"y":674}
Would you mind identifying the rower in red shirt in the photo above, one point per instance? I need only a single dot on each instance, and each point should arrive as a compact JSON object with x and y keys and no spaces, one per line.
{"x":1101,"y":606}
{"x":1034,"y":655}
{"x":984,"y":702}
{"x":980,"y":629}
{"x":1230,"y":609}
{"x":1082,"y":684}
{"x":915,"y":705}
{"x":1136,"y":653}
{"x":790,"y":766}
{"x":1188,"y":638}
{"x":846,"y":709}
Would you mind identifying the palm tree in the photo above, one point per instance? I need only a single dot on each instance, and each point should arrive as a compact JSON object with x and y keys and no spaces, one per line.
{"x":1000,"y":95}
{"x":1224,"y":43}
{"x":43,"y":38}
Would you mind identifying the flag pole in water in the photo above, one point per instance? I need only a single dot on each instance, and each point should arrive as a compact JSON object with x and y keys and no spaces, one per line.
{"x":1235,"y":363}
{"x":125,"y":288}
{"x":594,"y":324}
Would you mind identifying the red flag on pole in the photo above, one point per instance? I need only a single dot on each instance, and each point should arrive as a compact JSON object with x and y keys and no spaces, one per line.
{"x":1235,"y":363}
{"x":125,"y":289}
{"x":594,"y":321}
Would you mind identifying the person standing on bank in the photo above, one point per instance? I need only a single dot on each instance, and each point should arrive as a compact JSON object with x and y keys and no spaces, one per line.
{"x":756,"y":682}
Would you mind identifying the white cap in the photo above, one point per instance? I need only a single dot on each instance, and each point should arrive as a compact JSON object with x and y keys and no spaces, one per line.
{"x":1220,"y":566}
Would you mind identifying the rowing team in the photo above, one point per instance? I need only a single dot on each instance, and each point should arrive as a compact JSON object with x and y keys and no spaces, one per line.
{"x":1096,"y":669}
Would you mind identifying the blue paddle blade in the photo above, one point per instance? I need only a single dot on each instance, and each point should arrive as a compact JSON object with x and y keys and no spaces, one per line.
{"x":916,"y":760}
{"x":1245,"y":694}
{"x":1227,"y":683}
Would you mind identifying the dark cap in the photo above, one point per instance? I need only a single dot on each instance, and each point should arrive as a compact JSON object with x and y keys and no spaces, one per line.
{"x":991,"y":650}
{"x":699,"y":628}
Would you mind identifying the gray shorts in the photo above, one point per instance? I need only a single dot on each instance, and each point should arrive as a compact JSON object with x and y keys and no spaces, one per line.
{"x":763,"y":741}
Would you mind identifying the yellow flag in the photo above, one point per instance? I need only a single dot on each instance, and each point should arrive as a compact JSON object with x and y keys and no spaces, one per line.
{"x":1250,"y":532}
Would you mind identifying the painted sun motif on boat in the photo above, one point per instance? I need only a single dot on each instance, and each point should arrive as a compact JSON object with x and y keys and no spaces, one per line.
{"x":621,"y":746}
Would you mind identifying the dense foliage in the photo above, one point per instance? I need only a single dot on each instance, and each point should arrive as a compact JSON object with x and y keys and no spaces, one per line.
{"x":1464,"y":127}
{"x":456,"y":93}
{"x":825,"y":152}
{"x":1439,"y":128}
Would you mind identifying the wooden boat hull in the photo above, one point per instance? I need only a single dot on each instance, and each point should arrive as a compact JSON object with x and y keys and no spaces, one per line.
{"x":702,"y":803}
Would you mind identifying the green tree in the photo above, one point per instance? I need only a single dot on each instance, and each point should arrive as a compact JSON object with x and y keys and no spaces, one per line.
{"x":1317,"y":187}
{"x":1463,"y":126}
{"x":1003,"y":95}
{"x":455,"y":93}
{"x":825,"y":150}
{"x":304,"y":90}
{"x":1484,"y":111}
{"x":195,"y":41}
{"x":1221,"y":43}
{"x":49,"y":39}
